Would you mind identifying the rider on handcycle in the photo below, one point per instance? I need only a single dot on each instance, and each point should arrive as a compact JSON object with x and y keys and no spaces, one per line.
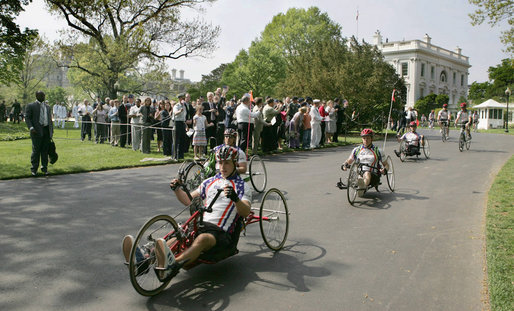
{"x":218,"y":233}
{"x":413,"y":141}
{"x":367,"y":154}
{"x":464,"y":119}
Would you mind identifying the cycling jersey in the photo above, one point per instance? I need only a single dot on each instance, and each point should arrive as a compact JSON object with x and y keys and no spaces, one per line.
{"x":462,"y":117}
{"x":412,"y":138}
{"x":370,"y":156}
{"x":224,"y":211}
{"x":442,"y":115}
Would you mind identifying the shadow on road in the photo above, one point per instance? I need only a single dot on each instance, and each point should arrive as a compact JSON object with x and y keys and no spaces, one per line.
{"x":210,"y":287}
{"x":373,"y":200}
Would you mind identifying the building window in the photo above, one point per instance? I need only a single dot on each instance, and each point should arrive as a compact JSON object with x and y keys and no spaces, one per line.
{"x":442,"y":77}
{"x":405,"y":69}
{"x":461,"y":80}
{"x":454,"y":78}
{"x":422,"y":70}
{"x":432,"y":72}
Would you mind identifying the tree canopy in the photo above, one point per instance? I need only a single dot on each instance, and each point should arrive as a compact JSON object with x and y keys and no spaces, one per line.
{"x":496,"y":11}
{"x":13,"y":41}
{"x":109,"y":38}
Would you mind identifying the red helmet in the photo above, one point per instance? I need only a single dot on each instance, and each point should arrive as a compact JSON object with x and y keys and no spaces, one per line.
{"x":463,"y":105}
{"x":225,"y":153}
{"x":413,"y":124}
{"x":367,"y":132}
{"x":445,"y":105}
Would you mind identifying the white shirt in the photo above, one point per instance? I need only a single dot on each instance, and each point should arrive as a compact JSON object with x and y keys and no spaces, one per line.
{"x":315,"y":116}
{"x":442,"y":115}
{"x":136,"y":114}
{"x":462,"y":116}
{"x":179,"y":116}
{"x":411,"y":138}
{"x":199,"y":125}
{"x":243,"y":114}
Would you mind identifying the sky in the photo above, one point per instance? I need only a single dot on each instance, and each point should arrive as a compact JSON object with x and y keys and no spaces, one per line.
{"x":242,"y":21}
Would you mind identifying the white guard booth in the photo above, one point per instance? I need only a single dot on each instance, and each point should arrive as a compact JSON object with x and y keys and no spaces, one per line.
{"x":490,"y":114}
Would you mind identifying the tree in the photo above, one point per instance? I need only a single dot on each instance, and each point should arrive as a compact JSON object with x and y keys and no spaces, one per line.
{"x":426,"y":104}
{"x":502,"y":76}
{"x":479,"y":91}
{"x":117,"y":35}
{"x":56,"y":94}
{"x":13,"y":42}
{"x":209,"y":83}
{"x":442,"y":99}
{"x":260,"y":69}
{"x":496,"y":11}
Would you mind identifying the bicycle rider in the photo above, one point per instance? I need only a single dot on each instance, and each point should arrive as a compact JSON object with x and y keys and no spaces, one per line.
{"x":369,"y":154}
{"x":230,"y":136}
{"x":464,"y":119}
{"x":431,"y":119}
{"x":475,"y":120}
{"x":443,"y":119}
{"x":413,"y":140}
{"x":227,"y":211}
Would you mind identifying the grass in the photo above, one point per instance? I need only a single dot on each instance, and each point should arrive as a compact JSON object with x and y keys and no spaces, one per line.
{"x":76,"y":156}
{"x":500,"y":239}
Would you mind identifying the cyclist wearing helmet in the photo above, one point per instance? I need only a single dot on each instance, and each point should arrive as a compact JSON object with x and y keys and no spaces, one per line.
{"x":230,"y":135}
{"x":369,"y":154}
{"x":413,"y":140}
{"x":464,"y":119}
{"x":443,"y":118}
{"x":230,"y":208}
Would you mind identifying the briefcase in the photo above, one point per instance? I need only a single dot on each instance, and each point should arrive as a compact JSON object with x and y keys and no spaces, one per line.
{"x":52,"y":154}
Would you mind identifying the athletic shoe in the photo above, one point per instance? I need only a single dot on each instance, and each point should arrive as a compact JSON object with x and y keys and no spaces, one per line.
{"x":142,"y":261}
{"x":166,"y":267}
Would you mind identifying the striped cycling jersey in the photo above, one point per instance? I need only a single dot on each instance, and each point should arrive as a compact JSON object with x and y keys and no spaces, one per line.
{"x":412,"y":138}
{"x":224,"y":211}
{"x":443,"y":115}
{"x":462,"y":117}
{"x":370,"y":156}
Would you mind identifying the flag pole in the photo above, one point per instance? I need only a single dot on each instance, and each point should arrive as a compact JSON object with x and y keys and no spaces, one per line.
{"x":388,"y":118}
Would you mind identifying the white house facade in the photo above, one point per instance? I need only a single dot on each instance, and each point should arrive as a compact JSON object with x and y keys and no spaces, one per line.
{"x":427,"y":68}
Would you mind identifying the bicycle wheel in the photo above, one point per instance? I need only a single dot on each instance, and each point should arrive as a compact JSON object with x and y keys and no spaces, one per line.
{"x":390,"y":173}
{"x":426,"y":148}
{"x":403,"y":151}
{"x":444,"y":137}
{"x":468,"y":143}
{"x":461,"y":142}
{"x":144,"y":280}
{"x":274,"y":219}
{"x":194,"y":176}
{"x":351,"y":185}
{"x":257,"y":172}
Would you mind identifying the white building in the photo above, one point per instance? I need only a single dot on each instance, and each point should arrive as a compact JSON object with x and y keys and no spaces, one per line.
{"x":427,"y":68}
{"x":491,"y":114}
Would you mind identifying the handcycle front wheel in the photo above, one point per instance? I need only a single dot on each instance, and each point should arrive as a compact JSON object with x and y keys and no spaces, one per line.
{"x":142,"y":274}
{"x":352,"y":185}
{"x":403,"y":151}
{"x":274,"y":219}
{"x":257,"y":172}
{"x":390,"y":173}
{"x":193,"y":176}
{"x":426,"y":148}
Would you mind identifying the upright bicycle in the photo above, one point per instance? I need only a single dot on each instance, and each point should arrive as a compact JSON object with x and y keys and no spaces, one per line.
{"x":464,"y":139}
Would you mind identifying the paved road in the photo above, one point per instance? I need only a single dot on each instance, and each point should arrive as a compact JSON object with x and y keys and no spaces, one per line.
{"x":420,"y":248}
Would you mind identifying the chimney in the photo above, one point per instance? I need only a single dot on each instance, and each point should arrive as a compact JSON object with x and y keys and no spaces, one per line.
{"x":427,"y":38}
{"x":173,"y":74}
{"x":458,"y":50}
{"x":377,"y":38}
{"x":181,"y":74}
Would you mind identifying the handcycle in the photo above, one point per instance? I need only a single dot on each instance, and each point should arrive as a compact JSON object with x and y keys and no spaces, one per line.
{"x":464,"y":138}
{"x":198,"y":170}
{"x":408,"y":151}
{"x":272,"y":216}
{"x":356,"y":170}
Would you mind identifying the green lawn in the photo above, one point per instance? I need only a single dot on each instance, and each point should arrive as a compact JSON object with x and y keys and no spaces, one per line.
{"x":500,"y":239}
{"x":76,"y":156}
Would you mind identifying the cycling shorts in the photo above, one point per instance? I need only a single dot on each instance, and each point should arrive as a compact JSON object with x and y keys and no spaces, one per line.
{"x":223,"y":239}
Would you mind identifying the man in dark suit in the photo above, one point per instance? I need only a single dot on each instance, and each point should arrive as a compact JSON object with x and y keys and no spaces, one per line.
{"x":39,"y":122}
{"x":210,"y":112}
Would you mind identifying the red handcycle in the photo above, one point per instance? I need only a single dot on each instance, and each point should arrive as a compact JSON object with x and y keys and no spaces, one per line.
{"x":272,"y":216}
